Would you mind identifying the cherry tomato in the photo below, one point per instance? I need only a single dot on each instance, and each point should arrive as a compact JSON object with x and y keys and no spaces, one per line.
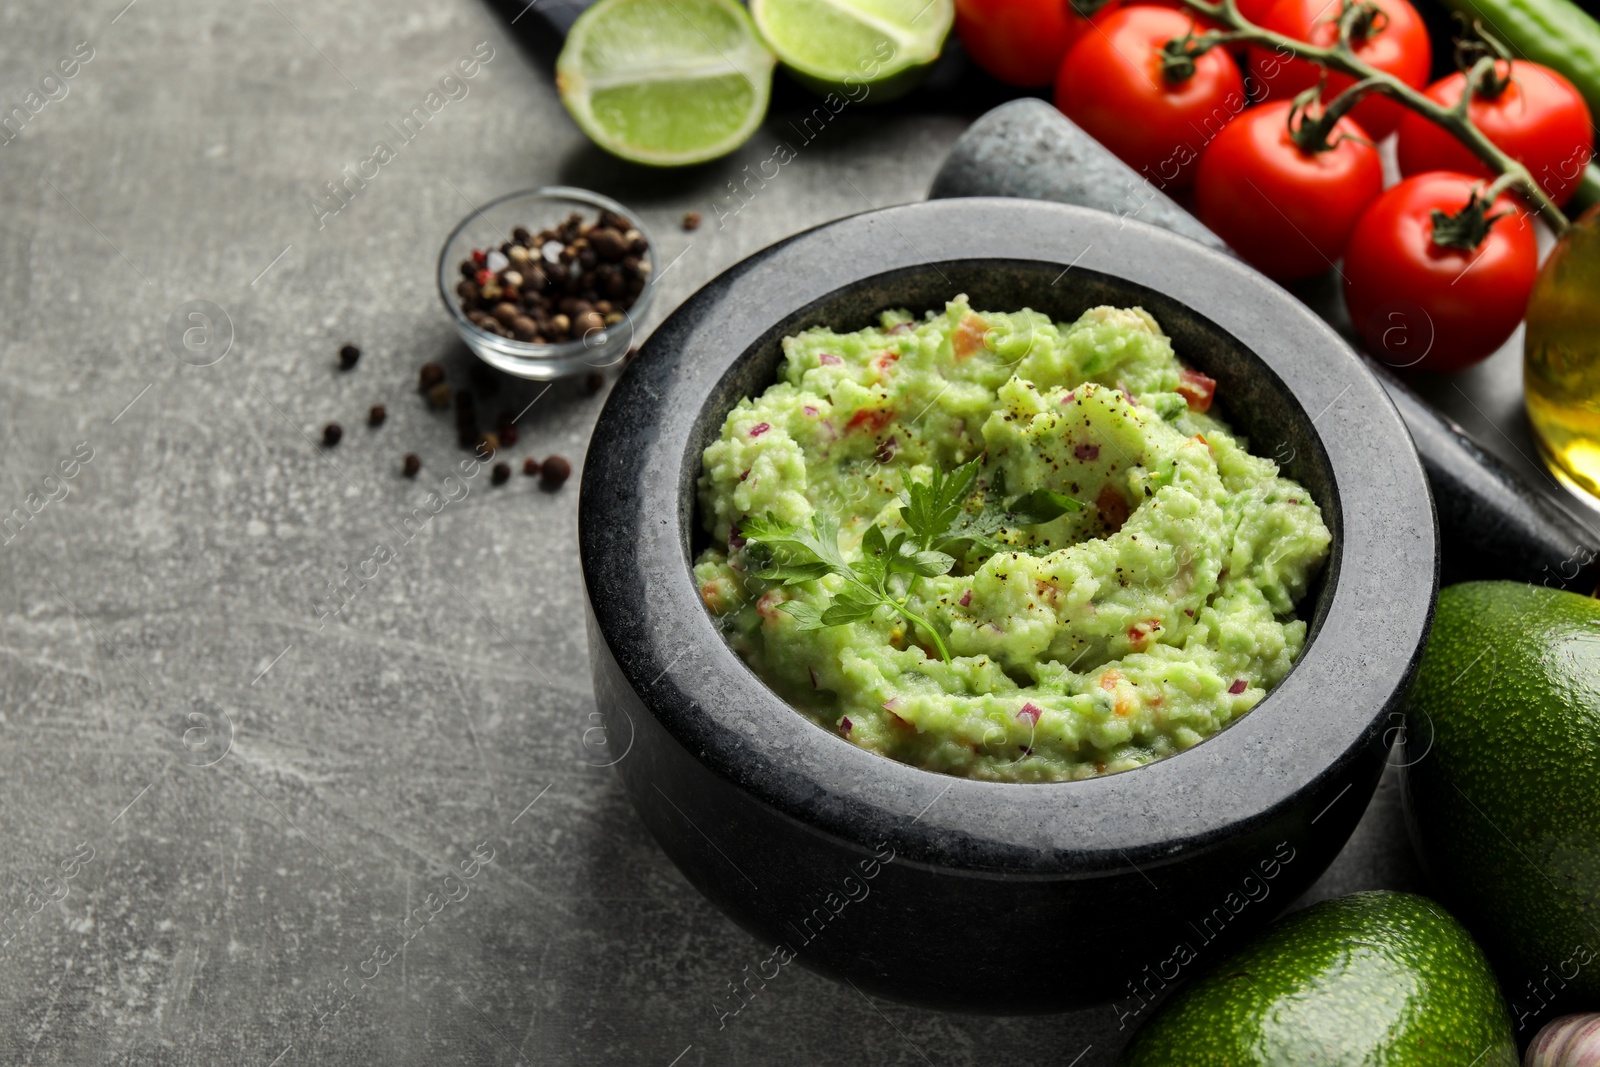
{"x":1021,"y":42}
{"x":1112,"y":85}
{"x":1420,"y":304}
{"x":1254,"y":10}
{"x":1288,"y":212}
{"x":1078,"y":26}
{"x":1398,"y":46}
{"x":1539,"y":119}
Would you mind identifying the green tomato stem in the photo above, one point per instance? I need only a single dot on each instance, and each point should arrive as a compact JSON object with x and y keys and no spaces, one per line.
{"x":1342,"y":59}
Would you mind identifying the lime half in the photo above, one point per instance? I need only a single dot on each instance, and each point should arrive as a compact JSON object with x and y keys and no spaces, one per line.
{"x":665,"y":82}
{"x":844,"y":45}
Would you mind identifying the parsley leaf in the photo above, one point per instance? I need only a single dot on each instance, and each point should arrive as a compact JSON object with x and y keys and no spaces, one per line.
{"x":995,"y":514}
{"x":932,"y":506}
{"x":936,"y":515}
{"x":801,"y":555}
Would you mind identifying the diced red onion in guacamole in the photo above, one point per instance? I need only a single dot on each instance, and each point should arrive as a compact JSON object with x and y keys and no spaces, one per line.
{"x":1031,"y":712}
{"x":760,"y":428}
{"x":1237,"y":687}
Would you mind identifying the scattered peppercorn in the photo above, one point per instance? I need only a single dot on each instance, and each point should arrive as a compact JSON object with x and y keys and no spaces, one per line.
{"x":348,"y":356}
{"x":554,"y":471}
{"x":439,"y":396}
{"x":530,"y":466}
{"x":501,"y":473}
{"x":691,"y":220}
{"x":508,"y":433}
{"x":411,"y":465}
{"x":556,"y":285}
{"x":594,"y":383}
{"x":331,"y":434}
{"x":376,"y":415}
{"x":431,"y":375}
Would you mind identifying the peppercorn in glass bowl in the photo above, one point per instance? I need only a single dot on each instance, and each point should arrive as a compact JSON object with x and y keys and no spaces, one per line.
{"x":548,"y":282}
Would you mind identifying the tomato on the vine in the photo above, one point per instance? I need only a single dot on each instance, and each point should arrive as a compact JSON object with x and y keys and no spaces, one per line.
{"x":1021,"y":42}
{"x":1113,"y":84}
{"x":1287,"y":210}
{"x":1537,"y":117}
{"x":1420,"y":303}
{"x":1395,"y":41}
{"x":1254,"y":10}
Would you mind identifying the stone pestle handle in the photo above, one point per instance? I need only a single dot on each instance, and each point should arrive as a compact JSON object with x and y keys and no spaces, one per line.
{"x":1492,"y":523}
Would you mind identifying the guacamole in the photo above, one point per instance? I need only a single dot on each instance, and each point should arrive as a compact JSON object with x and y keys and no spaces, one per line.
{"x":1155,"y":611}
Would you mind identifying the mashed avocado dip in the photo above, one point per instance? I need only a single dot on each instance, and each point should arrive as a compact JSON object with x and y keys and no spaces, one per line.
{"x":1082,"y":640}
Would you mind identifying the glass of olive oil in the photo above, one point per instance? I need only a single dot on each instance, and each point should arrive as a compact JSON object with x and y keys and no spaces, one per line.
{"x":1561,"y":358}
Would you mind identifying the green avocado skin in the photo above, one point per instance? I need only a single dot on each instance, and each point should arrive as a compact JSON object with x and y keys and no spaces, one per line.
{"x":1373,"y":979}
{"x":1503,"y":789}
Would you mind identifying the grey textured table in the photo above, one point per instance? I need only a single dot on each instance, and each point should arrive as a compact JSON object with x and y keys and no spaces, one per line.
{"x":282,"y":812}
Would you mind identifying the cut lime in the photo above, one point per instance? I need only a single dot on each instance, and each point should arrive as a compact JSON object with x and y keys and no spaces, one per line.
{"x":665,"y":82}
{"x":861,"y":49}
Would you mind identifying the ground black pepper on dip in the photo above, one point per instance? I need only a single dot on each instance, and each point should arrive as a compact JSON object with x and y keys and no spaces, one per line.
{"x":558,"y":284}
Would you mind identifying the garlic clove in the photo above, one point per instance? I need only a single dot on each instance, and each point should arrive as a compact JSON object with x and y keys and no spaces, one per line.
{"x":1570,"y":1041}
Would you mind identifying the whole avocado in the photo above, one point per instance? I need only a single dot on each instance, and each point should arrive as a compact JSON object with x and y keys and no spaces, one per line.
{"x":1502,"y":793}
{"x":1368,"y":979}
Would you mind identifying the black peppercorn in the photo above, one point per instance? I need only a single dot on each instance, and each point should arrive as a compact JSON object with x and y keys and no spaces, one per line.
{"x":554,"y":471}
{"x":501,"y":473}
{"x":431,"y":375}
{"x":691,"y":220}
{"x":411,"y":465}
{"x":348,"y":356}
{"x":331,"y":434}
{"x":376,"y":415}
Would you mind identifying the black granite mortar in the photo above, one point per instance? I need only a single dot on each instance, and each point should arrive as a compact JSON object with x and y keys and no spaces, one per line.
{"x":999,"y":897}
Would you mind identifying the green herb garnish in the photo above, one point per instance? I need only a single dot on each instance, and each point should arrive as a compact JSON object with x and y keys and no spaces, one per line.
{"x":936,"y":516}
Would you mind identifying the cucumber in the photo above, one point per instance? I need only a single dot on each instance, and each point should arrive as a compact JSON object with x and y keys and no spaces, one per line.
{"x":1556,"y":33}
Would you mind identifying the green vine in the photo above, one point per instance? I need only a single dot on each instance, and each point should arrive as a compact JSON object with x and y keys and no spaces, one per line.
{"x":1355,"y":21}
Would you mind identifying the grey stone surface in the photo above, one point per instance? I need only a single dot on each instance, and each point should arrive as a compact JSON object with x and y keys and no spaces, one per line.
{"x":160,"y":616}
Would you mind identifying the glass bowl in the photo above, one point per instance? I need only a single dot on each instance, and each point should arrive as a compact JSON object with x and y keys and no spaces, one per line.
{"x":488,"y":228}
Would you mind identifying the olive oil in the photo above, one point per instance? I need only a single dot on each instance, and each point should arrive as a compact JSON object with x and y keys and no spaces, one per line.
{"x":1561,"y":363}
